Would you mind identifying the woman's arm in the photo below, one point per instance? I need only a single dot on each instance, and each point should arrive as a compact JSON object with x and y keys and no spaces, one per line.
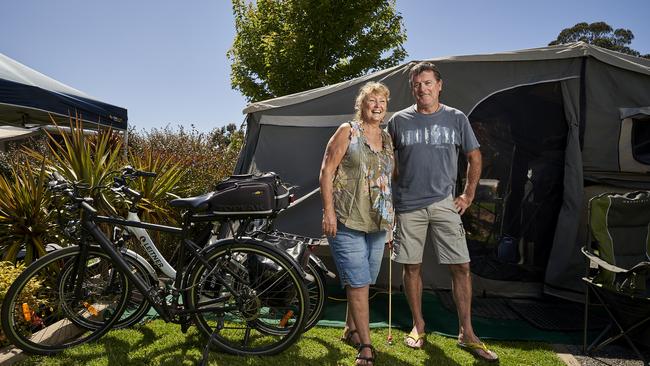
{"x":334,"y":152}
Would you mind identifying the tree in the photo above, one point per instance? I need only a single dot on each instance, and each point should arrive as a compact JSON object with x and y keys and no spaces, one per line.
{"x":286,"y":46}
{"x":599,"y":34}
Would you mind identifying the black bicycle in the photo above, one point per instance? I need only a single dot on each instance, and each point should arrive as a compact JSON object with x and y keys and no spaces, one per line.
{"x":247,"y":296}
{"x":298,"y":247}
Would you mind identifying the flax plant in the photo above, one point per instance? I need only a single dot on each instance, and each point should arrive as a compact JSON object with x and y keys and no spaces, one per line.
{"x":25,"y":221}
{"x":89,"y":159}
{"x":156,"y":192}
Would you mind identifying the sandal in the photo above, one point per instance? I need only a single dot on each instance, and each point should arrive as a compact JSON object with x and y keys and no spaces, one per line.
{"x":479,"y":350}
{"x":347,"y":338}
{"x":416,"y":340}
{"x":368,"y":360}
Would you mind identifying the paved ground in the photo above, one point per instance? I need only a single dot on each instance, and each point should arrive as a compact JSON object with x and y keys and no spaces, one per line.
{"x":612,"y":355}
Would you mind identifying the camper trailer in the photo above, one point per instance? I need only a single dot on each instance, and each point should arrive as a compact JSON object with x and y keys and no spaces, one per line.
{"x":556,"y":125}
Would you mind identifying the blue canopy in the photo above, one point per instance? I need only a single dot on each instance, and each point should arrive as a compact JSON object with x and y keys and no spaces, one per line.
{"x":28,"y":97}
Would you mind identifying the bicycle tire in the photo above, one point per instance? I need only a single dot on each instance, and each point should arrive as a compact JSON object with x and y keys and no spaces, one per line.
{"x":268,"y":288}
{"x":317,"y":295}
{"x":137,"y":305}
{"x":35,"y":313}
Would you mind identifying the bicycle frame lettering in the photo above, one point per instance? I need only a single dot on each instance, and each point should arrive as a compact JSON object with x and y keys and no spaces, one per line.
{"x":150,"y":247}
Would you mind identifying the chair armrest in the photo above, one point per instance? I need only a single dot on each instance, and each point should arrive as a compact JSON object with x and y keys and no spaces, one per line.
{"x":602,"y":263}
{"x":642,"y":267}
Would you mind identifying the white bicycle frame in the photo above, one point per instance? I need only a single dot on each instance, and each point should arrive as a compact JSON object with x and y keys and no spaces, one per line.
{"x":159,"y":261}
{"x":143,"y":237}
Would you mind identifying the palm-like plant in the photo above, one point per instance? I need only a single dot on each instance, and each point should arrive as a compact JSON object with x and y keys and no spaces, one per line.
{"x":157,"y":192}
{"x":91,"y":160}
{"x":25,"y":220}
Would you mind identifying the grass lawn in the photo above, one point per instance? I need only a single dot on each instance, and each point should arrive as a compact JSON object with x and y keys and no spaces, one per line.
{"x":158,"y":343}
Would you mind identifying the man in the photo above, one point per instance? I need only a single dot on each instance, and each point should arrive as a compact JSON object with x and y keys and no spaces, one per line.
{"x":427,"y":137}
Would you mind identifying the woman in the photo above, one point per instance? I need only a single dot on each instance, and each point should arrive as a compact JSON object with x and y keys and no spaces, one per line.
{"x":355,"y":181}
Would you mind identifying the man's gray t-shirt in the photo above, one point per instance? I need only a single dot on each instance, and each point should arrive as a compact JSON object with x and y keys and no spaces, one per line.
{"x":426,"y":153}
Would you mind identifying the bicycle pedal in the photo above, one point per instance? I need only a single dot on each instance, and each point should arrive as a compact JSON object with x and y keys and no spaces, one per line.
{"x":185,"y":325}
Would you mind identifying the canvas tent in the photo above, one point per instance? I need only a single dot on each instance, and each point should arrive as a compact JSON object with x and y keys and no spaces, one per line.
{"x":28,"y":99}
{"x":554,"y":123}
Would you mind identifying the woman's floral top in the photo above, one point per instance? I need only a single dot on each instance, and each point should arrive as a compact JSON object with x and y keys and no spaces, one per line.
{"x":362,"y":185}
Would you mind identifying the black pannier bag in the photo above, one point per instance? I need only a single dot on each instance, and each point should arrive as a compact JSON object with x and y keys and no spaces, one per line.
{"x":250,"y":192}
{"x":294,"y":245}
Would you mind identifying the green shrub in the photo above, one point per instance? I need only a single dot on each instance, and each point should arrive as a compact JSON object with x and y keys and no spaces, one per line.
{"x":8,"y":274}
{"x":200,"y":160}
{"x":25,"y":221}
{"x":188,"y":162}
{"x":90,"y":159}
{"x":205,"y":158}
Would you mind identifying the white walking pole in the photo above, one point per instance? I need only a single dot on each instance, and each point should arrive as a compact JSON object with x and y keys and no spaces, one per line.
{"x":390,"y":295}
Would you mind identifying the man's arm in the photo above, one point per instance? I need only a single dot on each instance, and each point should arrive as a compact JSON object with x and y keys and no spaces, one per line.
{"x":474,"y":162}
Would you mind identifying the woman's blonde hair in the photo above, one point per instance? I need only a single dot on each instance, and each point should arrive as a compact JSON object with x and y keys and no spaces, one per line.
{"x":371,"y":87}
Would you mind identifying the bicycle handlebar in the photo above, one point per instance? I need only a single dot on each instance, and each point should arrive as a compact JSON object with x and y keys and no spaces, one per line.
{"x":90,"y":209}
{"x":132,"y":192}
{"x":129,"y":171}
{"x":59,"y":183}
{"x":58,"y":177}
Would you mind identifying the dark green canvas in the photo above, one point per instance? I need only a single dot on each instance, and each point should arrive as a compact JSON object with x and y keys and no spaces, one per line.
{"x":621,"y":232}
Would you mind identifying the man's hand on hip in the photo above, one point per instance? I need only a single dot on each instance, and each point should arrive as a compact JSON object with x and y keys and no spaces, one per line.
{"x":462,"y":202}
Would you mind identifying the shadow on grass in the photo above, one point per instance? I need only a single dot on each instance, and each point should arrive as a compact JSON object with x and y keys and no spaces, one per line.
{"x":290,"y":356}
{"x":157,"y":343}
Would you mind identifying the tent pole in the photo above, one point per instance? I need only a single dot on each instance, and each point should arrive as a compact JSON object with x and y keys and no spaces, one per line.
{"x":582,"y":119}
{"x":126,"y":144}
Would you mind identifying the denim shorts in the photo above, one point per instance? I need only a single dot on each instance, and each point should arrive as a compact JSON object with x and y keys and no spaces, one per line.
{"x":357,"y":255}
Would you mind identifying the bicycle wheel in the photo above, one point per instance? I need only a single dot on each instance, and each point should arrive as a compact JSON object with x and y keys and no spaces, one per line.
{"x":137,"y":305}
{"x":317,"y":295}
{"x":40,"y":312}
{"x":250,"y":299}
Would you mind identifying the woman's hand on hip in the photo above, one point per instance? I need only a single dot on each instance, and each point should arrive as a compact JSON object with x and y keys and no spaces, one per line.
{"x":329,"y":223}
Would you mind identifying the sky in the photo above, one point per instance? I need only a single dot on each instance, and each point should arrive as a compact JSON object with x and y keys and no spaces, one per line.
{"x":165,"y":60}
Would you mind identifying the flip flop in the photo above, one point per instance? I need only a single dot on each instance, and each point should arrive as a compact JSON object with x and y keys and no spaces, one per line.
{"x":475,"y":349}
{"x":417,"y":340}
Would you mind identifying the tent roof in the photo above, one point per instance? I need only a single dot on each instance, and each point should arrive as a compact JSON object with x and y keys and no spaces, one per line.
{"x":27,"y":96}
{"x":12,"y":132}
{"x":565,"y":51}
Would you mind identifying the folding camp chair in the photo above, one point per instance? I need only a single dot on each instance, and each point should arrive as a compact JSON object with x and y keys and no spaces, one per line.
{"x":619,"y":245}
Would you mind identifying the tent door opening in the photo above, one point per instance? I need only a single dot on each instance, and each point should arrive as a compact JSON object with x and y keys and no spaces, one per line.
{"x":511,"y":225}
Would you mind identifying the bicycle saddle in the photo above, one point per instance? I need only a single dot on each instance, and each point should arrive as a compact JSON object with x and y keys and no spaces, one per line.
{"x":198,"y":203}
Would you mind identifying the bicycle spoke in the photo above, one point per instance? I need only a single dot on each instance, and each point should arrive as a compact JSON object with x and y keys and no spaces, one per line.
{"x":264,"y":299}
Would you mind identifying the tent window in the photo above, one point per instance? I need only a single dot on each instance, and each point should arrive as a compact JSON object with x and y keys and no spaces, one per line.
{"x":641,"y":140}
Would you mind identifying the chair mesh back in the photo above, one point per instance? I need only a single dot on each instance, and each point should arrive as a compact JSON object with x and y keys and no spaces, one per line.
{"x":620,"y":225}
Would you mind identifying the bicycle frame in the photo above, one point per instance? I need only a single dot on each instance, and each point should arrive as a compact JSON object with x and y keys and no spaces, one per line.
{"x":150,"y":292}
{"x":245,"y":281}
{"x":145,"y":240}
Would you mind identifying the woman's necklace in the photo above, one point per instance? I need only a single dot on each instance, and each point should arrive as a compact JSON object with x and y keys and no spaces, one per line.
{"x":372,"y":132}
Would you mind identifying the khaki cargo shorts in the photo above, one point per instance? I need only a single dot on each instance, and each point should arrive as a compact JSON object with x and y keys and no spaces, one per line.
{"x":438,"y":224}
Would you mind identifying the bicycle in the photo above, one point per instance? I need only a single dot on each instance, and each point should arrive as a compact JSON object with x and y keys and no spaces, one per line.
{"x":245,"y":295}
{"x":312,"y":265}
{"x":297,"y":246}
